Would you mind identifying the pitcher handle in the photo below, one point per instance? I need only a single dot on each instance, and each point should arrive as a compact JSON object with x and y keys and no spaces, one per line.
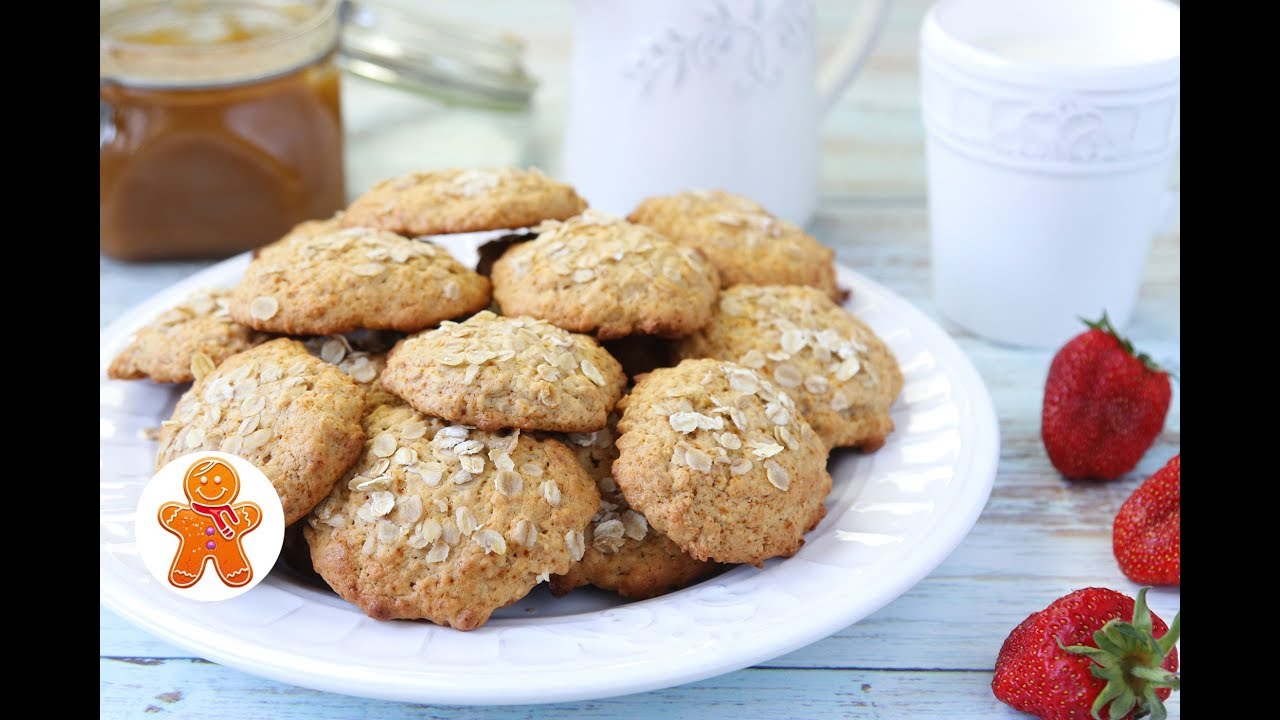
{"x":838,"y":70}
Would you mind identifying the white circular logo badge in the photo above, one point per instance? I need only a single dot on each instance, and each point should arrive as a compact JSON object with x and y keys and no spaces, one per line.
{"x":209,"y":525}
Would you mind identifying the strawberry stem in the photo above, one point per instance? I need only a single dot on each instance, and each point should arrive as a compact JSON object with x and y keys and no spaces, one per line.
{"x":1104,"y":325}
{"x":1171,"y":637}
{"x":1155,"y":675}
{"x":1129,"y":658}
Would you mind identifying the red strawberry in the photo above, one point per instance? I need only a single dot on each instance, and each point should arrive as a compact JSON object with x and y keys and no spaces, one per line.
{"x":1147,"y":534}
{"x":1078,"y":658}
{"x":1103,"y":405}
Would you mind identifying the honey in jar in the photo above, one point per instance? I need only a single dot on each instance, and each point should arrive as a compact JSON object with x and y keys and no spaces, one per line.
{"x":220,"y":125}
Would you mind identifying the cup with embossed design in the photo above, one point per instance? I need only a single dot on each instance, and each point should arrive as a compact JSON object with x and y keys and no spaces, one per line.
{"x":1052,"y":128}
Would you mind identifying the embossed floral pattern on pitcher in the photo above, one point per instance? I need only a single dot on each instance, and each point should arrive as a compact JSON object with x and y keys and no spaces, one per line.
{"x":749,"y":38}
{"x":672,"y":95}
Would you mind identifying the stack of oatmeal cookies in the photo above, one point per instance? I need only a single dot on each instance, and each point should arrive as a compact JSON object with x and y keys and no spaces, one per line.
{"x":631,"y":403}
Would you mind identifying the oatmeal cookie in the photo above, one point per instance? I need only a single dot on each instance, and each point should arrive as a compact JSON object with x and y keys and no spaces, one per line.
{"x":718,"y":458}
{"x":294,"y":416}
{"x":185,"y":341}
{"x":322,"y":279}
{"x":623,"y":553}
{"x":458,"y":201}
{"x":495,"y":372}
{"x":745,"y":242}
{"x":841,"y":375}
{"x":449,"y":523}
{"x":601,"y":275}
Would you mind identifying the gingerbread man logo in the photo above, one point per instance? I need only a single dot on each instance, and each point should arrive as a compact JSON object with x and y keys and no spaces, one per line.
{"x":210,"y":527}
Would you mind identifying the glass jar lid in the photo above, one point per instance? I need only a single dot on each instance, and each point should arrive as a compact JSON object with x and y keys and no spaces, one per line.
{"x":450,"y":62}
{"x":200,"y":43}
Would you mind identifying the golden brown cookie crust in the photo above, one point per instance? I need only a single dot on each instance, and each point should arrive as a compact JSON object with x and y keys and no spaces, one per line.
{"x":601,"y":275}
{"x":293,"y":415}
{"x":495,"y":372}
{"x":623,"y":553}
{"x":719,"y":459}
{"x":745,"y":242}
{"x":458,"y":200}
{"x":842,"y":376}
{"x":196,"y":335}
{"x":449,"y":523}
{"x":323,"y":278}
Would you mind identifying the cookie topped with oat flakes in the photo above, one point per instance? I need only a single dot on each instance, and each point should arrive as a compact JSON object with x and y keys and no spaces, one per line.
{"x":458,"y":201}
{"x":323,"y":278}
{"x":745,"y":242}
{"x":623,"y":553}
{"x":495,"y":372}
{"x":599,"y":274}
{"x":293,"y":415}
{"x":842,"y":376}
{"x":449,"y":523}
{"x":185,"y":341}
{"x":718,"y":458}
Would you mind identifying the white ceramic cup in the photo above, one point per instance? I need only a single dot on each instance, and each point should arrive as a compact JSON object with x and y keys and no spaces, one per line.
{"x":1052,"y":128}
{"x":671,"y":95}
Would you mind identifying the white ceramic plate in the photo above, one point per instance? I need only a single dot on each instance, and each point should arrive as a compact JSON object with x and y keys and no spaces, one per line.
{"x":893,"y":516}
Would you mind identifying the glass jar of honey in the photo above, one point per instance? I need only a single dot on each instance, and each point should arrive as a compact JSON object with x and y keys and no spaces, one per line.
{"x":221,"y":125}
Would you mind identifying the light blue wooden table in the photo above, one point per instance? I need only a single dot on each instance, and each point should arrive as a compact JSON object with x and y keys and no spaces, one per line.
{"x":928,"y":654}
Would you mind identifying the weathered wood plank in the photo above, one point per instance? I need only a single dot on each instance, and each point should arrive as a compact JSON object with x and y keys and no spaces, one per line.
{"x":189,"y":688}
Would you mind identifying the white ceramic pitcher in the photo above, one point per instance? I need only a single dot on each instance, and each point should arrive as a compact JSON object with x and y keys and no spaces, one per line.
{"x":669,"y":95}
